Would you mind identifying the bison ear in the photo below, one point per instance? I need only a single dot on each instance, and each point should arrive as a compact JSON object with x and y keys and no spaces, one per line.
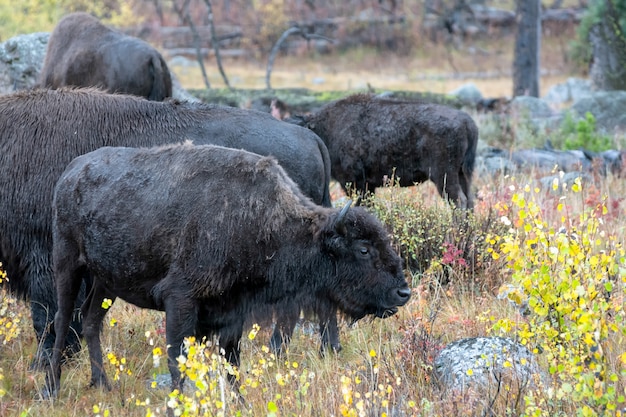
{"x":340,"y":221}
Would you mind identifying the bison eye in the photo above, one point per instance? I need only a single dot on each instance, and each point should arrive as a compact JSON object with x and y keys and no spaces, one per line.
{"x":364,"y":251}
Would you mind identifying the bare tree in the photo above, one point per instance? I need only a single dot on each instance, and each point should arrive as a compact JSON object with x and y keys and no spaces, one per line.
{"x":295,"y":30}
{"x":527,"y":48}
{"x":182,"y":10}
{"x":216,"y":45}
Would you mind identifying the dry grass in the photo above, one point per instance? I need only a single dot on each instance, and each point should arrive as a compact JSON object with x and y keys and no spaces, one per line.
{"x":391,"y":358}
{"x":396,"y":354}
{"x":433,"y":68}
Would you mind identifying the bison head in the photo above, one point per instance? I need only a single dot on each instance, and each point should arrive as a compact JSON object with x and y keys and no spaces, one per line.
{"x":368,"y":273}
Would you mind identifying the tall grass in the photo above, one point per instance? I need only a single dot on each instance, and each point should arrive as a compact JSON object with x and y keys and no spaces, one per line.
{"x":386,"y":365}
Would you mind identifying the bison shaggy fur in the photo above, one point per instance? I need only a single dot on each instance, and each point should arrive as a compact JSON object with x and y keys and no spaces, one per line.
{"x":370,"y":138}
{"x":83,"y":52}
{"x":41,"y":131}
{"x":209,"y":235}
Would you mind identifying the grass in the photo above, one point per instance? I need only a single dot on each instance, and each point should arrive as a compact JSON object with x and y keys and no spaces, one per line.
{"x":384,"y":369}
{"x":386,"y":366}
{"x":435,"y":68}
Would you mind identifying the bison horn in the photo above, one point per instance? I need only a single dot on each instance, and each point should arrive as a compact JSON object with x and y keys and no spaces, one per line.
{"x":340,"y":225}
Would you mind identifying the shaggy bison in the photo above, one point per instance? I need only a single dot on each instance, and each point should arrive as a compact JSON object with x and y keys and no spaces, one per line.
{"x":83,"y":52}
{"x":369,"y":137}
{"x":209,"y":235}
{"x":41,"y":131}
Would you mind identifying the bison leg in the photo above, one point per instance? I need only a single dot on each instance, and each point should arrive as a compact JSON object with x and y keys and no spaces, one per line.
{"x":43,"y":307}
{"x":329,"y":331}
{"x":283,"y":329}
{"x":93,"y":315}
{"x":229,"y":341}
{"x":466,"y":184}
{"x":450,"y":188}
{"x":68,"y":281}
{"x":181,"y":317}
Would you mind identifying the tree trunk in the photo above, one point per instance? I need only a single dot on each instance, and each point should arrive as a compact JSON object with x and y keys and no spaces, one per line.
{"x":608,"y":67}
{"x":527,"y":48}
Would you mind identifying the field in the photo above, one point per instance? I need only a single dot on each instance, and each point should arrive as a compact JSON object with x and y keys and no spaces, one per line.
{"x":560,"y":248}
{"x":432,"y":68}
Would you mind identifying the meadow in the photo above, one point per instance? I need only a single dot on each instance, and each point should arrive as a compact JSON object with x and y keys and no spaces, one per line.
{"x":561,"y":248}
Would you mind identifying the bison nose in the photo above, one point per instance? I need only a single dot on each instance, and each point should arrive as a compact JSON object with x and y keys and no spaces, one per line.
{"x":403,"y":295}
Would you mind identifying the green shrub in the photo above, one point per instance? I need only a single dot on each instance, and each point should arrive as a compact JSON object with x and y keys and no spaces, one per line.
{"x":581,"y":134}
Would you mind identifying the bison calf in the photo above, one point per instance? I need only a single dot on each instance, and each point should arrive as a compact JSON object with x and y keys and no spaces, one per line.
{"x":85,"y":53}
{"x":211,"y":236}
{"x":370,"y":138}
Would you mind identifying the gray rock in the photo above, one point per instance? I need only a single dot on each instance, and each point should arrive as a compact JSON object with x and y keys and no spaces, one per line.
{"x":492,"y":161}
{"x":566,"y":178}
{"x":572,"y":90}
{"x":481,"y":363}
{"x":467,"y":93}
{"x":21,"y":60}
{"x":607,"y":107}
{"x":529,"y":107}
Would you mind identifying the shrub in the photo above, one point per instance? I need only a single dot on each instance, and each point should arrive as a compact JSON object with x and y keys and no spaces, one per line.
{"x":434,"y":234}
{"x":581,"y":134}
{"x":572,"y":276}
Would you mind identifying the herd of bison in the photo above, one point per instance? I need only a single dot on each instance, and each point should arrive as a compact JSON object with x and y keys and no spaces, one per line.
{"x":215,"y":215}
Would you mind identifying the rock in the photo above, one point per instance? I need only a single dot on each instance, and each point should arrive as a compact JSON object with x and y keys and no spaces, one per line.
{"x":468,"y":93}
{"x":564,"y":179}
{"x":572,"y":90}
{"x":21,"y":60}
{"x":480,"y":363}
{"x":529,"y":107}
{"x":607,"y":107}
{"x":491,"y":161}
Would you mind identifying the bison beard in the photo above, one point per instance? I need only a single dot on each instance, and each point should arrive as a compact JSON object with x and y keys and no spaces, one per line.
{"x":370,"y":138}
{"x":209,"y":235}
{"x":41,"y":131}
{"x":82,"y":52}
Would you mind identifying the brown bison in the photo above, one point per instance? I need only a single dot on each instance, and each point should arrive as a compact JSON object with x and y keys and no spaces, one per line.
{"x":41,"y":131}
{"x":85,"y":53}
{"x":209,"y":235}
{"x":369,"y":137}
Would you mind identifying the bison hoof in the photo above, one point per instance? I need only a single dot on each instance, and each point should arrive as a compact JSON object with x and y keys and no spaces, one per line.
{"x":48,"y":393}
{"x":101,"y":382}
{"x":334,"y":349}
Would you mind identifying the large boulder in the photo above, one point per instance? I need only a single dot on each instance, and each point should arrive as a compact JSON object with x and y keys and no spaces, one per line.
{"x":523,"y":107}
{"x":570,"y":91}
{"x":486,"y":363}
{"x":607,"y":107}
{"x":21,"y":59}
{"x":468,"y":94}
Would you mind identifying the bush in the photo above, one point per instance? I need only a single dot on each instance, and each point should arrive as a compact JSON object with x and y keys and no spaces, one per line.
{"x":572,"y":278}
{"x":581,"y":134}
{"x":434,"y":234}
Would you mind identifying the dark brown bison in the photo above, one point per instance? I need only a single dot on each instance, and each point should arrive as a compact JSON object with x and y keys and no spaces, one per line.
{"x":369,"y":137}
{"x":209,"y":235}
{"x":85,"y":53}
{"x":41,"y":131}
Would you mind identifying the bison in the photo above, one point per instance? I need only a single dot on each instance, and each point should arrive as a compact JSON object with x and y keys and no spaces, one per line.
{"x":370,"y":138}
{"x":209,"y":235}
{"x":41,"y":131}
{"x":83,"y":52}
